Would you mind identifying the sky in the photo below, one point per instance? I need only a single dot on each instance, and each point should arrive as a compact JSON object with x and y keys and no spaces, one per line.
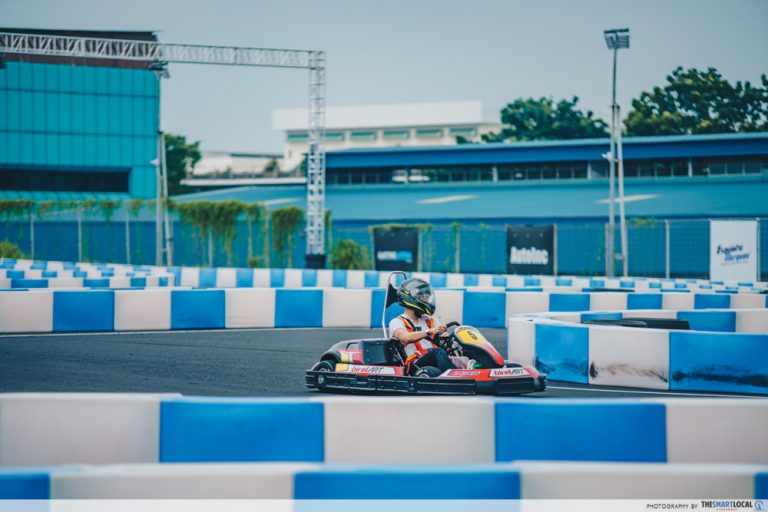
{"x":402,"y":51}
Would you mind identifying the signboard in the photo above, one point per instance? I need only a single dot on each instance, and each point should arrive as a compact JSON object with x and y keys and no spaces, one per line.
{"x":530,"y":250}
{"x":396,"y":248}
{"x":733,"y":250}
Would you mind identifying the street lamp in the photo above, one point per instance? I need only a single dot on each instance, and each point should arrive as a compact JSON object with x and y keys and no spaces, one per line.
{"x":616,"y":39}
{"x":162,"y":221}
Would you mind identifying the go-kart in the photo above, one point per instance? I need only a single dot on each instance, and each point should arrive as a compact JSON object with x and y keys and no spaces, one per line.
{"x":379,"y":366}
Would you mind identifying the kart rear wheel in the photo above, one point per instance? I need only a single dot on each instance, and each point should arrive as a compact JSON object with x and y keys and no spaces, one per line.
{"x":324,"y":366}
{"x":429,"y":372}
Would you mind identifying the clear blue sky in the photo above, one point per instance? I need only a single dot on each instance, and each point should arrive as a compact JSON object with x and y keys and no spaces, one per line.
{"x":416,"y":50}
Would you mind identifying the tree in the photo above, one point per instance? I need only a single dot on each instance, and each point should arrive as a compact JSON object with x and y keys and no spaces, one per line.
{"x":696,"y":101}
{"x":348,"y":254}
{"x":543,"y":119}
{"x":180,"y":157}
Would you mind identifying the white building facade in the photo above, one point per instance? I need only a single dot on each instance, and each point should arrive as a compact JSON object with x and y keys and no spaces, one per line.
{"x":405,"y":124}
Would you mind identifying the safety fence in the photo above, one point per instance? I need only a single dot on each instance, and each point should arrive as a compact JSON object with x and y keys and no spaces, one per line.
{"x":724,"y":351}
{"x":45,"y":310}
{"x":657,"y":247}
{"x":116,"y":446}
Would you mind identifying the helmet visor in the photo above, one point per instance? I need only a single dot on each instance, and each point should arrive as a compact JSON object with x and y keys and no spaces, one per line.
{"x":425,"y":295}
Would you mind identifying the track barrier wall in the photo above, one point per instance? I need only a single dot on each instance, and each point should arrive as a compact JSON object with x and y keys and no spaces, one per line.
{"x":106,"y":310}
{"x":725,"y":351}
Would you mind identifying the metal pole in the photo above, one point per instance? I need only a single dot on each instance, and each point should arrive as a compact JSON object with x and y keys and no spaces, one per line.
{"x":79,"y":235}
{"x":606,"y":232}
{"x":210,"y":248}
{"x":32,"y":235}
{"x":158,"y":207}
{"x":758,"y":250}
{"x":622,"y":218}
{"x":554,"y":249}
{"x":166,"y":216}
{"x":611,"y":178}
{"x":127,"y":237}
{"x":666,"y":247}
{"x":315,"y":252}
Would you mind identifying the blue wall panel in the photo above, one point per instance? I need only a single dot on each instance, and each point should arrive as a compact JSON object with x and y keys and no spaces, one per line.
{"x":644,"y":300}
{"x":233,"y":430}
{"x":711,"y":301}
{"x":24,"y":484}
{"x":485,"y":309}
{"x":377,"y":304}
{"x":716,"y":321}
{"x":563,"y":430}
{"x":197,"y":309}
{"x":92,"y":310}
{"x":562,"y":352}
{"x":406,"y":483}
{"x":568,"y":302}
{"x":298,"y":308}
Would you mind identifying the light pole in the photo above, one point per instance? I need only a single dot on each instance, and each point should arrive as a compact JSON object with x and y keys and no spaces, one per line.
{"x":616,"y":39}
{"x":160,"y":68}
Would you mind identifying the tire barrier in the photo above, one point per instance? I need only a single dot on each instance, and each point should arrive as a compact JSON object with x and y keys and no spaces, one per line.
{"x":724,"y":352}
{"x":196,"y":277}
{"x":343,"y":447}
{"x":211,"y":308}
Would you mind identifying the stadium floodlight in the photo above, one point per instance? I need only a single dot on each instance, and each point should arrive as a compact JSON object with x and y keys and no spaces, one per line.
{"x":616,"y":39}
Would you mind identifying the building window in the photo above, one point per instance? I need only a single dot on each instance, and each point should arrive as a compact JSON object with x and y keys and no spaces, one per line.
{"x":298,"y":137}
{"x":334,"y":136}
{"x":463,"y":132}
{"x":429,"y":133}
{"x":362,"y":136}
{"x":397,"y":134}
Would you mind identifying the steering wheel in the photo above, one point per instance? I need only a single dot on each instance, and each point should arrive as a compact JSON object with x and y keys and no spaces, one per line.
{"x":447,"y":341}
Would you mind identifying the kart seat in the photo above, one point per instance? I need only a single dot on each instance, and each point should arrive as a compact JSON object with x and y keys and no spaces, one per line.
{"x":381,"y":352}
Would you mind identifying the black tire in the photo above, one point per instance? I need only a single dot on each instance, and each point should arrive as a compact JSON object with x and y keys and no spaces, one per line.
{"x":429,"y":372}
{"x":645,"y":323}
{"x":324,"y":366}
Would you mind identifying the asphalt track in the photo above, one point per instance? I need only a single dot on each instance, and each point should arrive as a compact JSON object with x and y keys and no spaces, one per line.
{"x":227,"y":363}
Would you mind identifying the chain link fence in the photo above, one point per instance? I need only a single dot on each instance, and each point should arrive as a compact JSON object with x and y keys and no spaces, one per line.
{"x":657,"y":247}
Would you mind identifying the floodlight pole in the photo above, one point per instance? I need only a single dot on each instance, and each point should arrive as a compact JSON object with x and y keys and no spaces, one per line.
{"x":612,"y":178}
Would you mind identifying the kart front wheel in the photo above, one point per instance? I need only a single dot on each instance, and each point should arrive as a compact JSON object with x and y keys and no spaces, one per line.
{"x":324,"y":366}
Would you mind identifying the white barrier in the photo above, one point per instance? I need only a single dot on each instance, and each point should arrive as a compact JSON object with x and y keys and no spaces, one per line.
{"x":250,"y":307}
{"x":636,"y":358}
{"x":148,"y":310}
{"x":26,"y":311}
{"x":78,"y":428}
{"x":346,"y":308}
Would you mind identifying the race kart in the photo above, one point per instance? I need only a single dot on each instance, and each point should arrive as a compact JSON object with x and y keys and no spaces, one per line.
{"x":379,"y":366}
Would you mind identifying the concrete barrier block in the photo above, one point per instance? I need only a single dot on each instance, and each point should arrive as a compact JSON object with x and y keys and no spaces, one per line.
{"x":437,"y":279}
{"x":244,"y":278}
{"x":293,"y":278}
{"x":197,"y":309}
{"x":652,"y":313}
{"x":615,"y":431}
{"x":325,"y":278}
{"x":521,"y":341}
{"x":299,"y":308}
{"x":29,"y":283}
{"x":26,"y":311}
{"x":24,"y":484}
{"x":78,"y":428}
{"x":644,"y":300}
{"x":714,"y":321}
{"x":340,"y":278}
{"x":206,"y":277}
{"x":262,"y":278}
{"x":711,"y":301}
{"x":527,"y":302}
{"x":752,"y":321}
{"x":563,"y":480}
{"x":226,"y":278}
{"x":562,"y":351}
{"x":748,"y":300}
{"x":454,"y":280}
{"x":143,"y":310}
{"x":119,"y":282}
{"x":355,"y":421}
{"x":485,"y":309}
{"x":355,"y":279}
{"x":249,"y":307}
{"x":178,"y":481}
{"x":241,"y":430}
{"x":450,"y":305}
{"x":606,"y":301}
{"x":190,"y":277}
{"x":719,"y":362}
{"x":87,"y":310}
{"x":569,"y":302}
{"x":377,"y":304}
{"x":478,"y":482}
{"x":515,"y":281}
{"x":309,"y":277}
{"x":635,"y":358}
{"x":717,"y":431}
{"x":277,"y":277}
{"x":5,"y":283}
{"x":485,"y":280}
{"x":676,"y":301}
{"x":346,"y":308}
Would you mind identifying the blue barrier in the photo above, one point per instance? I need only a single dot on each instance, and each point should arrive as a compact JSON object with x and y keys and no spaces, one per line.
{"x":711,"y":301}
{"x":232,"y":430}
{"x":298,"y":308}
{"x":485,"y":309}
{"x":562,"y":351}
{"x":611,"y":432}
{"x":377,"y":303}
{"x":406,"y":483}
{"x":24,"y":484}
{"x":718,"y":362}
{"x":276,"y":277}
{"x":207,"y":278}
{"x":568,"y":302}
{"x":88,"y":310}
{"x":340,"y":278}
{"x":197,"y":309}
{"x":244,"y":278}
{"x":644,"y":301}
{"x":761,"y":486}
{"x":713,"y":321}
{"x":308,"y":277}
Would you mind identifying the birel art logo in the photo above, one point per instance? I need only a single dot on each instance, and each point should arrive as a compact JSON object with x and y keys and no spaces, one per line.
{"x":733,"y":254}
{"x":371,"y":370}
{"x":405,"y":256}
{"x":528,"y":256}
{"x":508,"y":372}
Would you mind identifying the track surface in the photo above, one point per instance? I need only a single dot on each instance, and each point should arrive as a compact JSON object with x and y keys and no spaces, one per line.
{"x":258,"y":362}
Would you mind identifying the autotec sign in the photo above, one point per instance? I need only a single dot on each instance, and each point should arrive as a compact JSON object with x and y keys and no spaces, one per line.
{"x":733,"y":250}
{"x":530,"y":250}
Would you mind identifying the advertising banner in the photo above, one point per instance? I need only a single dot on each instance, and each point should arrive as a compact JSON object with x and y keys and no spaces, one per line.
{"x":396,"y":248}
{"x":733,"y":250}
{"x":530,"y":250}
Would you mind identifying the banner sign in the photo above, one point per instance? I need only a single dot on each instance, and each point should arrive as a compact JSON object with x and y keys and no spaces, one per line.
{"x":733,"y":250}
{"x":530,"y":250}
{"x":396,"y":248}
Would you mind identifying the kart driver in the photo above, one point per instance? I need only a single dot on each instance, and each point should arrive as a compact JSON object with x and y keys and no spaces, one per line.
{"x":416,"y":327}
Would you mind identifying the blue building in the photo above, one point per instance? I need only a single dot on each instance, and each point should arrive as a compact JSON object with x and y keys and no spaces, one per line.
{"x":72,"y":127}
